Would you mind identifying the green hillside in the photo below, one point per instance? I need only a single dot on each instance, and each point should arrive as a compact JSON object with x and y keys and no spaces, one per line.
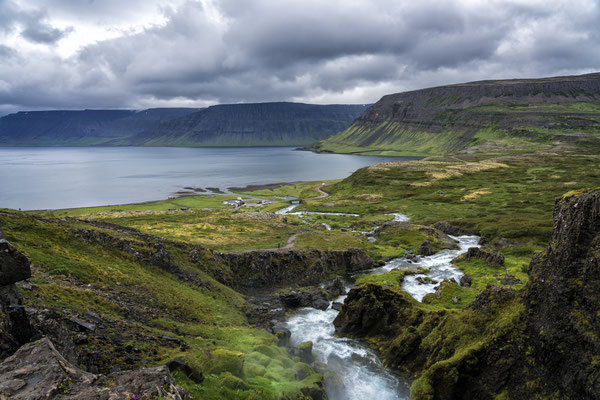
{"x":486,"y":116}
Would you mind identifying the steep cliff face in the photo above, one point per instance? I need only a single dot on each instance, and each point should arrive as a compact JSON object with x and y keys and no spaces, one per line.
{"x":254,"y":124}
{"x":563,"y":300}
{"x":259,"y":124}
{"x":85,"y":127}
{"x":450,"y":118}
{"x":15,"y":329}
{"x":542,"y":342}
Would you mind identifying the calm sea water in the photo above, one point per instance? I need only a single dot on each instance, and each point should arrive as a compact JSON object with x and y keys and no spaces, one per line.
{"x":50,"y":177}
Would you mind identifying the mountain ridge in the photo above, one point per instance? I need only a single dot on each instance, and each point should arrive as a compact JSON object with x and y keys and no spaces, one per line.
{"x":450,"y":118}
{"x":249,"y":124}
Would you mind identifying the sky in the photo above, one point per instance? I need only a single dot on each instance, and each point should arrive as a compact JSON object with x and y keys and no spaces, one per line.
{"x":76,"y":54}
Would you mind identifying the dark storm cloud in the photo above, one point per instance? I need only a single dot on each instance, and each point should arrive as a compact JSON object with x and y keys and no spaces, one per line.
{"x":32,"y":23}
{"x":267,"y":50}
{"x":40,"y":32}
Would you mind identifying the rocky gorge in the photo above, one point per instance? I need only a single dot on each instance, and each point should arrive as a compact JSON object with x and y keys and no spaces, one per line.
{"x":538,"y":342}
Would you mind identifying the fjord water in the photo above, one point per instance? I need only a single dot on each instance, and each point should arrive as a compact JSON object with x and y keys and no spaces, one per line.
{"x":63,"y":177}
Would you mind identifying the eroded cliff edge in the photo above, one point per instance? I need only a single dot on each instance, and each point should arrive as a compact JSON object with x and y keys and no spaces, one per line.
{"x":540,"y":342}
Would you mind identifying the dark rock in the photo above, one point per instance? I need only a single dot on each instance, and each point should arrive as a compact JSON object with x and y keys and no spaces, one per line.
{"x":38,"y":371}
{"x":300,"y":298}
{"x":296,"y":299}
{"x":169,"y":338}
{"x":426,"y":249}
{"x":83,"y":324}
{"x":480,"y":253}
{"x":371,"y":310}
{"x":15,"y":329}
{"x":48,"y":323}
{"x":283,"y":335}
{"x":14,"y":265}
{"x":409,"y":255}
{"x":305,"y":352}
{"x":320,"y":304}
{"x":178,"y":364}
{"x":510,"y":280}
{"x":466,"y":280}
{"x":336,"y":305}
{"x":337,"y":287}
{"x":314,"y":393}
{"x":453,"y":230}
{"x":263,"y":269}
{"x":562,"y":300}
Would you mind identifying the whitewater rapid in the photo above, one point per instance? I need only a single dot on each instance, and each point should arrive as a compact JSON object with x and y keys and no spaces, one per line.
{"x":360,"y":370}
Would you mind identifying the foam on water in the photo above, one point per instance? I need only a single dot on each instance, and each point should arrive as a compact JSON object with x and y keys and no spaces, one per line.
{"x":439,"y":265}
{"x":359,"y":368}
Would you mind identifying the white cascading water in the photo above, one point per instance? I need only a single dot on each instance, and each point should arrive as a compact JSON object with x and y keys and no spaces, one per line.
{"x":358,"y":367}
{"x":439,"y":266}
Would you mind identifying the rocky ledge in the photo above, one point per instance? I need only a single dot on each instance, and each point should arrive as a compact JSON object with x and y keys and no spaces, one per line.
{"x":259,"y":270}
{"x":38,"y":371}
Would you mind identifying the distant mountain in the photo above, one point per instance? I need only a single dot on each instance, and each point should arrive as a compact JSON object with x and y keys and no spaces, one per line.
{"x":80,"y":128}
{"x":482,"y":116}
{"x":256,"y":124}
{"x":261,"y":124}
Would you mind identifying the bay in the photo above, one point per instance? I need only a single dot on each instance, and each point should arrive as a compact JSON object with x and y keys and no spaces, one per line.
{"x":34,"y":178}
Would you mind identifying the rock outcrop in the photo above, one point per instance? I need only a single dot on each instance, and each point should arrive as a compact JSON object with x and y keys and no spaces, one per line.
{"x":453,"y":230}
{"x":38,"y":371}
{"x":563,"y":300}
{"x":264,"y":269}
{"x":15,"y":329}
{"x":481,"y":253}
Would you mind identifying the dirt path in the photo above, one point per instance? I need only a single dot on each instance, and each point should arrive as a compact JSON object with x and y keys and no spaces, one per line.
{"x":319,"y":189}
{"x":289,"y":244}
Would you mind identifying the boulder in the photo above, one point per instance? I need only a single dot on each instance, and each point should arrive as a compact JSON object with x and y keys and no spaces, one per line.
{"x":481,"y":253}
{"x":38,"y":371}
{"x":453,"y":230}
{"x":283,"y":335}
{"x":178,"y":364}
{"x":305,"y":352}
{"x":426,"y":249}
{"x":466,"y":280}
{"x":337,"y":287}
{"x":14,"y":265}
{"x":301,"y":298}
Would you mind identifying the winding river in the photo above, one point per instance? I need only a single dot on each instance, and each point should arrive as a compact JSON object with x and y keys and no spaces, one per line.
{"x":360,"y":370}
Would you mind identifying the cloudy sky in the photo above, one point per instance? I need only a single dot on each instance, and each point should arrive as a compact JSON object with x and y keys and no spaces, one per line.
{"x":57,"y":54}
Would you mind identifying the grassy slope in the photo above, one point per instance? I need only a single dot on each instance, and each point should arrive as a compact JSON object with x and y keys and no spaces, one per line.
{"x":75,"y":272}
{"x":497,"y":125}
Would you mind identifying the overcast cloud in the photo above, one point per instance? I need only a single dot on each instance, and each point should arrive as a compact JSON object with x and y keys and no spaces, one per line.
{"x":141,"y":53}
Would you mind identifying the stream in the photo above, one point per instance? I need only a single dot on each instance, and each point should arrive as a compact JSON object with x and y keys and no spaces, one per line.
{"x":360,"y":370}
